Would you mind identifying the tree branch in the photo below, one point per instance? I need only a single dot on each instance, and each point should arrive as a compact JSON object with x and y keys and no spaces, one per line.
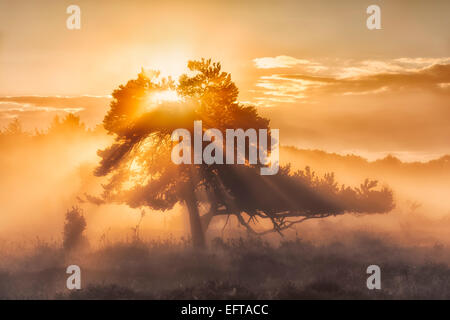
{"x":278,"y":226}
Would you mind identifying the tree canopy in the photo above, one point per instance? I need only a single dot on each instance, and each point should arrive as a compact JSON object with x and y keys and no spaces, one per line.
{"x":145,"y":112}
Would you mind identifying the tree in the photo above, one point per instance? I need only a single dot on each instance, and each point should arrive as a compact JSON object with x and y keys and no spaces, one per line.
{"x":14,"y":128}
{"x":74,"y":226}
{"x":141,"y":173}
{"x":71,"y":123}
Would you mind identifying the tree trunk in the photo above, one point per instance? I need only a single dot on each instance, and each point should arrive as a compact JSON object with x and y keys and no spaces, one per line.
{"x":206,"y":219}
{"x":197,"y":233}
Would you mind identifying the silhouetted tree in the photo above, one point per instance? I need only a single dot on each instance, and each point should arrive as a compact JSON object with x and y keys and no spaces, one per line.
{"x":74,"y":226}
{"x":71,"y":123}
{"x":14,"y":128}
{"x":142,"y":174}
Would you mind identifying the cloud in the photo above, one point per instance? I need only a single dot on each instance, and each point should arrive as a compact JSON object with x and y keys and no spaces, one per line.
{"x":12,"y":107}
{"x":395,"y":66}
{"x":38,"y":111}
{"x":284,"y":89}
{"x":313,"y":79}
{"x":84,"y":101}
{"x":374,"y":106}
{"x":278,"y":62}
{"x":423,"y":61}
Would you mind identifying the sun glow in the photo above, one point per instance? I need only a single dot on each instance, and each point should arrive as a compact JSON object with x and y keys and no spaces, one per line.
{"x":166,"y":96}
{"x":156,"y":99}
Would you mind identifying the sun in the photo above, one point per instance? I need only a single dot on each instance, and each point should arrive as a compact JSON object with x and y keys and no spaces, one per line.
{"x":168,"y":95}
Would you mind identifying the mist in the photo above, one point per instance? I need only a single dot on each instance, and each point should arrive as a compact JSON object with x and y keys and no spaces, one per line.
{"x":44,"y":174}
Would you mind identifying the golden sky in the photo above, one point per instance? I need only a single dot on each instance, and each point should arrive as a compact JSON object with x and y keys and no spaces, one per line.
{"x":312,"y":66}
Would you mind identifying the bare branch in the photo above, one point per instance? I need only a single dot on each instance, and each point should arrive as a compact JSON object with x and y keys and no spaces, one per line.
{"x":278,"y":226}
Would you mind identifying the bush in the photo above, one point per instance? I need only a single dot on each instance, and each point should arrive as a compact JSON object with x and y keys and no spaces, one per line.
{"x":74,"y":226}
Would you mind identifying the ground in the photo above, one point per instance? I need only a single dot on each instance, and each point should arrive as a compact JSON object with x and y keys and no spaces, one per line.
{"x":240,"y":268}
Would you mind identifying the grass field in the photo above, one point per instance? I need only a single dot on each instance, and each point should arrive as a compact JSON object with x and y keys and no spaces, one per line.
{"x":233,"y":269}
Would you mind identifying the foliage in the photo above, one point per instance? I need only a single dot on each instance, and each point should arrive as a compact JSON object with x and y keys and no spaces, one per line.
{"x":74,"y":226}
{"x":142,"y":173}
